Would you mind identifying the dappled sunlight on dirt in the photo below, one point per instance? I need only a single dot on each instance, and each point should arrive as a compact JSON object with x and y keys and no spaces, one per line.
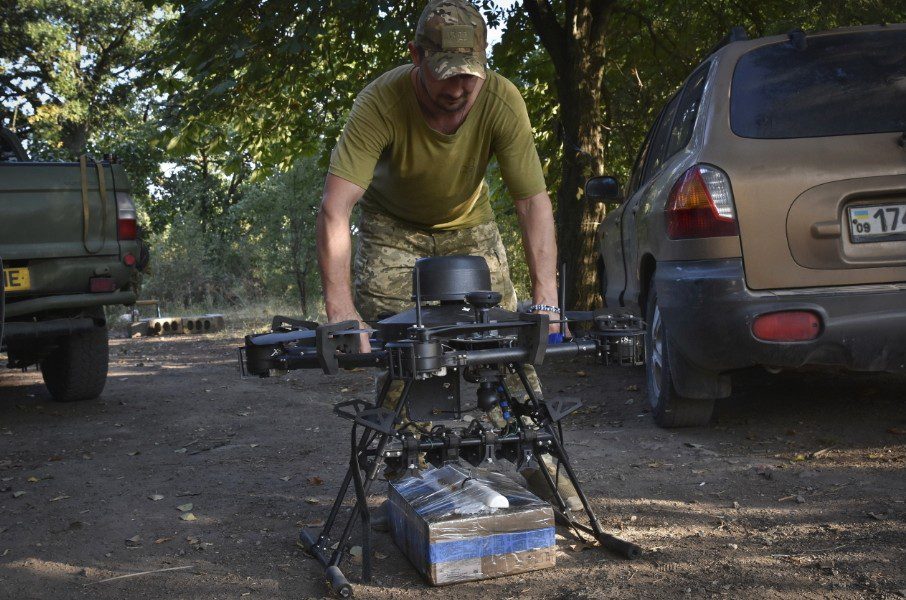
{"x":797,"y":490}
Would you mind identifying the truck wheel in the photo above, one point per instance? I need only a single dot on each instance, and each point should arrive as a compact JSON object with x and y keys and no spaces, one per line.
{"x":668,"y":407}
{"x":77,"y":368}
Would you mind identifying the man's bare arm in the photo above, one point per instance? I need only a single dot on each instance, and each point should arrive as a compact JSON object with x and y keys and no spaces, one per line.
{"x":334,"y":243}
{"x":536,"y":219}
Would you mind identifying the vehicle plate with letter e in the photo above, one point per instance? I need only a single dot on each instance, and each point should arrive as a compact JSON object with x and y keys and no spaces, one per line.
{"x":877,"y":223}
{"x":17,"y":279}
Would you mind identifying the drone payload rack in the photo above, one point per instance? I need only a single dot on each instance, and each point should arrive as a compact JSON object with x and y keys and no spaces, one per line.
{"x":455,"y":336}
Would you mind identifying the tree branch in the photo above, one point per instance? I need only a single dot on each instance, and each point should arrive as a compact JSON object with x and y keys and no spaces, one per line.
{"x":552,"y":34}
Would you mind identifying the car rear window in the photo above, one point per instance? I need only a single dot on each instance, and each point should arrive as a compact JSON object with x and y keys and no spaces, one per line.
{"x":842,"y":84}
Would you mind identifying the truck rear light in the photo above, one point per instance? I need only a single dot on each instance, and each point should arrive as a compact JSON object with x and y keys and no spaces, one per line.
{"x":101,"y":284}
{"x":125,"y":218}
{"x":129,"y":259}
{"x":701,"y":205}
{"x":787,"y":326}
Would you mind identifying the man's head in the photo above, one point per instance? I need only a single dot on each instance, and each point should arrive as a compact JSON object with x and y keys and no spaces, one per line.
{"x":453,"y":36}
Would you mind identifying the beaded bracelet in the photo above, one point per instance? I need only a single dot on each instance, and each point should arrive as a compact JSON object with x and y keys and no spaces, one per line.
{"x":545,"y":307}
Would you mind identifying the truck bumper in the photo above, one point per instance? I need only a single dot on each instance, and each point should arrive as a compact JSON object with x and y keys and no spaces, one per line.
{"x":66,"y":301}
{"x":23,"y":331}
{"x":708,"y":312}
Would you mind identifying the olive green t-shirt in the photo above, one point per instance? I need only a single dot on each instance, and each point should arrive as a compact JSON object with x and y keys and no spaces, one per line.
{"x":430,"y":179}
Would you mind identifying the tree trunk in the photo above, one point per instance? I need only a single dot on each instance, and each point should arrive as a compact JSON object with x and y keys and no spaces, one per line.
{"x":299,"y":259}
{"x":576,"y":47}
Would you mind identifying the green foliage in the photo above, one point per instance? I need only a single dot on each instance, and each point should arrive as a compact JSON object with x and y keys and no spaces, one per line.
{"x":279,"y":74}
{"x":68,"y":68}
{"x":277,"y":217}
{"x":252,"y":244}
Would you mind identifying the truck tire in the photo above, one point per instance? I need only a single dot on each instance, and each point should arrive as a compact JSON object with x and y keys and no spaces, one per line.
{"x":669,"y":408}
{"x":77,"y":368}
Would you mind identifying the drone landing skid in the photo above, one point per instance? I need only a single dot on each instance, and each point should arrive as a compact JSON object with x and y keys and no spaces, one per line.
{"x":533,"y":432}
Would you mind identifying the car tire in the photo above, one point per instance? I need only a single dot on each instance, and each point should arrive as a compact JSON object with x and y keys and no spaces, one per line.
{"x":669,"y":408}
{"x":77,"y":368}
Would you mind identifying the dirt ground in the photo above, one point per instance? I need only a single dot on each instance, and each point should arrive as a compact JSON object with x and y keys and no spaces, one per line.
{"x":796,"y":491}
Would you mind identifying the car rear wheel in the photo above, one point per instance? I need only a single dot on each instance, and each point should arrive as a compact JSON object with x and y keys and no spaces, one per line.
{"x":669,"y":408}
{"x":77,"y":368}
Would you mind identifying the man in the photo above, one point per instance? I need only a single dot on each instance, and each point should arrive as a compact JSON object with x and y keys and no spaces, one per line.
{"x":414,"y":151}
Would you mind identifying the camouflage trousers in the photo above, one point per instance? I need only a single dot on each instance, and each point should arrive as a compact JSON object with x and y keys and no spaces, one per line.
{"x":387,"y":251}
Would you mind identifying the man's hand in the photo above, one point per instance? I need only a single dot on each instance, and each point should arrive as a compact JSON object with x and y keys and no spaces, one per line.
{"x":364,"y":343}
{"x":335,"y":251}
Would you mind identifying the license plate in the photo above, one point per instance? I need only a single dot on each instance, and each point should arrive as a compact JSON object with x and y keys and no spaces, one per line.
{"x":880,"y":223}
{"x":16,"y":280}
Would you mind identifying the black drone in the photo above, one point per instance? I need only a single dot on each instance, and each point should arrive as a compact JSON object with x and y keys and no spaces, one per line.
{"x":455,"y":337}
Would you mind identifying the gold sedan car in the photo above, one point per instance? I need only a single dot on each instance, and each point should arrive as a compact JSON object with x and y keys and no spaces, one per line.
{"x":765,"y":219}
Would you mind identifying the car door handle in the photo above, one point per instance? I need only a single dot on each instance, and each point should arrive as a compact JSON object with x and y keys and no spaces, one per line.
{"x":826,"y":229}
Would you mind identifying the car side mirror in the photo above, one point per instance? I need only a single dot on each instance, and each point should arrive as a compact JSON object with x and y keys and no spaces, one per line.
{"x":603,"y":190}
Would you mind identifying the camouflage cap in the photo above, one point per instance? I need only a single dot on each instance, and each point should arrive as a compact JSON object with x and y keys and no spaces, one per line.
{"x":454,"y":37}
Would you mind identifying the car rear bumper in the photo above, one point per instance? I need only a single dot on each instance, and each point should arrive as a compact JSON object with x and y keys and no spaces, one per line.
{"x":709,"y":311}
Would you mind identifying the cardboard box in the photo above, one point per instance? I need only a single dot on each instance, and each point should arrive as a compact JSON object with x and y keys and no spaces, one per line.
{"x":452,"y":526}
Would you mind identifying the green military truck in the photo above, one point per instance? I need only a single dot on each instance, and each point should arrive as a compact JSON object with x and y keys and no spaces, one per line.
{"x":69,"y":246}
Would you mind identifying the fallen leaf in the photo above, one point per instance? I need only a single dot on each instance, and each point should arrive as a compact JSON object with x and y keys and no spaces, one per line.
{"x":309,"y":500}
{"x":254,"y":445}
{"x":162,"y":540}
{"x":55,"y":459}
{"x":315,"y":481}
{"x":355,"y":551}
{"x":180,"y":451}
{"x":187,"y":517}
{"x":786,"y":498}
{"x":60,"y":497}
{"x":192,"y":540}
{"x":632,"y":388}
{"x":135,"y":540}
{"x":18,"y":494}
{"x":581,"y":374}
{"x":134,"y":453}
{"x":580,"y":546}
{"x":185,"y":507}
{"x":155,"y":497}
{"x":33,"y":479}
{"x":315,"y":523}
{"x":287,"y":478}
{"x":380,"y":555}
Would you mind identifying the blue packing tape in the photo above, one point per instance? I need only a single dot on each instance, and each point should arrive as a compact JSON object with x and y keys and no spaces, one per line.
{"x":490,"y":545}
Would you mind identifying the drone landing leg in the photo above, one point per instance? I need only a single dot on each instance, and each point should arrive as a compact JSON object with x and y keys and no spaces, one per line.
{"x":361,"y":474}
{"x":615,"y":544}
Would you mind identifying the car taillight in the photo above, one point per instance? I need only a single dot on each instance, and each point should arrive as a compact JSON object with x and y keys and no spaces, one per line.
{"x":787,"y":326}
{"x":125,"y":218}
{"x":701,"y":205}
